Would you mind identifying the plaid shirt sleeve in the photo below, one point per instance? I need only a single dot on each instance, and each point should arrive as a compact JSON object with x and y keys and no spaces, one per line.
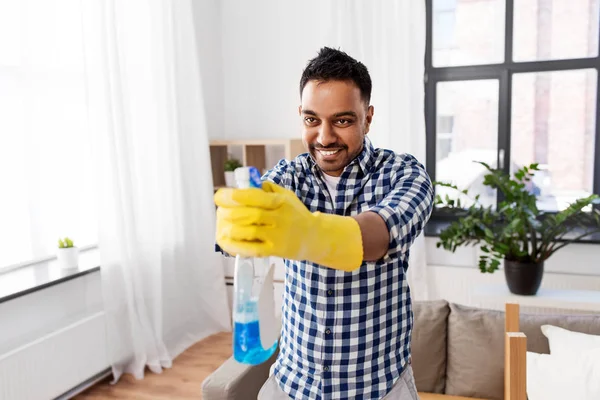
{"x":407,"y":208}
{"x":280,"y":174}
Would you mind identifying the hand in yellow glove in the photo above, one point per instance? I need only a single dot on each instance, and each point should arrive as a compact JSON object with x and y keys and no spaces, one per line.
{"x":272,"y":221}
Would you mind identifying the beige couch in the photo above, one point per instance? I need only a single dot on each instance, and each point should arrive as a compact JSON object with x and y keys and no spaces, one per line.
{"x":456,"y":351}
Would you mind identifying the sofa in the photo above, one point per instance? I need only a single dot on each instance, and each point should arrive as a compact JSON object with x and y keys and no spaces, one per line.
{"x":457,"y":352}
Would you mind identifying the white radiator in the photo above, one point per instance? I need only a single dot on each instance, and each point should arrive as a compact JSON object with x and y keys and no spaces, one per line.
{"x":52,"y":340}
{"x":53,"y":364}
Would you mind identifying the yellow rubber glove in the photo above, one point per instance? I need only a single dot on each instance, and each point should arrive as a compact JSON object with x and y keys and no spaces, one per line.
{"x":272,"y":221}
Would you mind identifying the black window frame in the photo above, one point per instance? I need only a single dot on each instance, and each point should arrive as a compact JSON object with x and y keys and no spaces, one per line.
{"x":503,"y":72}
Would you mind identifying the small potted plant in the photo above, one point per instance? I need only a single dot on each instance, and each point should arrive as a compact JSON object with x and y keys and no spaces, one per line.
{"x":230,"y":166}
{"x":67,"y":254}
{"x":515,"y":232}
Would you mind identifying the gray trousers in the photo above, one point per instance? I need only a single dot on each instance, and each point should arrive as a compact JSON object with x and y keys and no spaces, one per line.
{"x":404,"y":388}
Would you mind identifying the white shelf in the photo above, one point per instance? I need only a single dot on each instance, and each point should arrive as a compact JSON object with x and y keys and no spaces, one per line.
{"x":585,"y":300}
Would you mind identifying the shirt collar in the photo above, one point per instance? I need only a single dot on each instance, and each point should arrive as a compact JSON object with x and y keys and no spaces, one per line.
{"x":365,"y":158}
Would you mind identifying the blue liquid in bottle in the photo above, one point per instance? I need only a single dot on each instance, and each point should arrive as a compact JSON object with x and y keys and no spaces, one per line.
{"x":246,"y":338}
{"x":249,"y":277}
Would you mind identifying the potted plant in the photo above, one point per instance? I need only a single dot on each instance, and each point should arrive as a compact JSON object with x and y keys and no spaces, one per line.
{"x":230,"y":166}
{"x":515,"y":231}
{"x":67,"y":254}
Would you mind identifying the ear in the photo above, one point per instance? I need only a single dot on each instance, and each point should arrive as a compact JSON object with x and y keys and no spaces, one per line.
{"x":369,"y":118}
{"x":300,"y":110}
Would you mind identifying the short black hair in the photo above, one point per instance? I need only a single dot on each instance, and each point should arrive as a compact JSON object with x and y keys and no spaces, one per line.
{"x":332,"y":64}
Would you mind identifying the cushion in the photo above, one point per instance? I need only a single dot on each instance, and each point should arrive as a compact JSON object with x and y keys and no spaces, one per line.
{"x":570,"y":376}
{"x":475,"y":366}
{"x":475,"y":360}
{"x":428,"y":347}
{"x":538,"y":343}
{"x":564,"y":343}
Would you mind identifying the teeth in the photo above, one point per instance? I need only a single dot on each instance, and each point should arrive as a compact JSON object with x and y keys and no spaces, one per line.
{"x":328,"y":153}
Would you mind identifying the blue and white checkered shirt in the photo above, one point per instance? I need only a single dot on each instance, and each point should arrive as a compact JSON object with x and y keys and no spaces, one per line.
{"x":346,"y":335}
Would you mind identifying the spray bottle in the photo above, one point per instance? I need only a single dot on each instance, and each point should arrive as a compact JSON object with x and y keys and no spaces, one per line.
{"x":255,"y":330}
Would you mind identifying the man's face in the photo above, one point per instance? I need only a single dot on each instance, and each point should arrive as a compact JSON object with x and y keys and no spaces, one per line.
{"x":335,"y":121}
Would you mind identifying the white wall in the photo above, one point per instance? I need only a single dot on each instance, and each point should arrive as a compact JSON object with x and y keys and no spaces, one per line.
{"x":266,"y":45}
{"x":207,"y":15}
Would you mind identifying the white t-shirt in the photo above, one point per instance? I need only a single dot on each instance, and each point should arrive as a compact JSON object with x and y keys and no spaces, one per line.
{"x":331,"y":182}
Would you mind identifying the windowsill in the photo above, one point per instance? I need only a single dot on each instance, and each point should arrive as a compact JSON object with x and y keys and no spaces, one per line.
{"x":31,"y":278}
{"x":437,"y":224}
{"x":570,"y":299}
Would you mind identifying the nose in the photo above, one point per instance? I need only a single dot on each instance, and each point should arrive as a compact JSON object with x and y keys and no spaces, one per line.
{"x":326,"y":135}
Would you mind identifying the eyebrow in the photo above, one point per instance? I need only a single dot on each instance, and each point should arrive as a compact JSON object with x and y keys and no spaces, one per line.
{"x":336,"y":115}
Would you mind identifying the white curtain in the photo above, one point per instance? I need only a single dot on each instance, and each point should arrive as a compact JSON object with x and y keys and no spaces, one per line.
{"x":163,"y":284}
{"x":389,"y":38}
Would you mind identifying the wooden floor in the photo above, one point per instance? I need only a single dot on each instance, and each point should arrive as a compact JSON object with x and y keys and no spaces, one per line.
{"x":183,"y":381}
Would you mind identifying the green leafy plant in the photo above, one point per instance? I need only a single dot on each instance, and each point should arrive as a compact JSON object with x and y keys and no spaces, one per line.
{"x":516,"y":229}
{"x":232,"y":164}
{"x":65,"y":243}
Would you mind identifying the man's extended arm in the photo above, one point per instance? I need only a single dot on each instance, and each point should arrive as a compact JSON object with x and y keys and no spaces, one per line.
{"x":408,"y":206}
{"x":375,"y":235}
{"x":274,"y":222}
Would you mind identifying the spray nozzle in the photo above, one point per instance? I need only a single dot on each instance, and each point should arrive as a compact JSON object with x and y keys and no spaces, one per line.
{"x":245,"y":176}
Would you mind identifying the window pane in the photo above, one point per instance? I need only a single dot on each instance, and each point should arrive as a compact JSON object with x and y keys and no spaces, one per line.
{"x":466,"y":131}
{"x":555,"y":29}
{"x":467,"y":32}
{"x":553,"y":124}
{"x":46,"y":175}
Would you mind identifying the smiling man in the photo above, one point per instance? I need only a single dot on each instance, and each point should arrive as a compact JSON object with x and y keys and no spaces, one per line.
{"x":343,"y":217}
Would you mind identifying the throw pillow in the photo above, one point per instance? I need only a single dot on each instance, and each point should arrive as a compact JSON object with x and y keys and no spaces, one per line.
{"x":428,"y":345}
{"x":552,"y":377}
{"x":564,"y":343}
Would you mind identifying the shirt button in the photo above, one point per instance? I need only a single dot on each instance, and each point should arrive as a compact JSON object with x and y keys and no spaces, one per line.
{"x":329,"y":292}
{"x":326,"y":368}
{"x":328,"y":331}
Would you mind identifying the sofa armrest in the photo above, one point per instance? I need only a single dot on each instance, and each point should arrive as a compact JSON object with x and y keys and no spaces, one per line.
{"x":515,"y":356}
{"x":515,"y":368}
{"x":235,"y":381}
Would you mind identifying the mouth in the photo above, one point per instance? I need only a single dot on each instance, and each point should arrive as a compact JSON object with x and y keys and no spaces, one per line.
{"x":328,"y":154}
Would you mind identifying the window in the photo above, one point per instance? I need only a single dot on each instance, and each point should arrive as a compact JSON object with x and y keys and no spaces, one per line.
{"x":445,"y":136}
{"x":513,"y":82}
{"x":45,"y":168}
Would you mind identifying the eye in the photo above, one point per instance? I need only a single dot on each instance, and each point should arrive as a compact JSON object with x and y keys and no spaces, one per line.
{"x":310,"y":120}
{"x":344,"y":122}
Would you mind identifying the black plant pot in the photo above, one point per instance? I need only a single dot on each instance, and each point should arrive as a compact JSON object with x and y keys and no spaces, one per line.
{"x":523,"y":278}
